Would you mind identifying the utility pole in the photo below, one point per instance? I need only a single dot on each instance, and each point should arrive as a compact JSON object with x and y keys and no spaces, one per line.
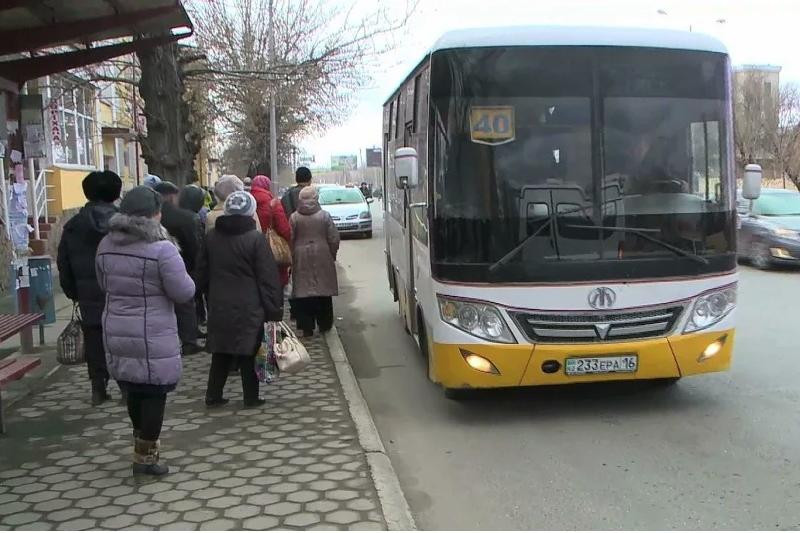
{"x":273,"y":128}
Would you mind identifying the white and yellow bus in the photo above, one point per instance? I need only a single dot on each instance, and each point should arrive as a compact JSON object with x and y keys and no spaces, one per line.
{"x":560,"y":206}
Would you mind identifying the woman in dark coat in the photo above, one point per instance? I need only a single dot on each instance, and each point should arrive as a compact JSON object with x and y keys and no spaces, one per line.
{"x":76,"y":252}
{"x":315,"y":243}
{"x":239,"y":273}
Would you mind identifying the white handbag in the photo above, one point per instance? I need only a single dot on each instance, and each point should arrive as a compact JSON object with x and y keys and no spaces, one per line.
{"x":290,"y":353}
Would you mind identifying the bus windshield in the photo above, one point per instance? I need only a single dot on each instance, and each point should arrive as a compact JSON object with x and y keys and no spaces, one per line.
{"x":556,"y":164}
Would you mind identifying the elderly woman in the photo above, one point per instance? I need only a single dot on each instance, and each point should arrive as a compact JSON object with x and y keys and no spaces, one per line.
{"x":240,"y":275}
{"x":143,"y":276}
{"x":225,"y":186}
{"x":315,"y":243}
{"x":271,"y":215}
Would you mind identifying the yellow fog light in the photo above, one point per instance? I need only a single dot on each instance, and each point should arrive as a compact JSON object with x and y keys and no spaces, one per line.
{"x":781,"y":253}
{"x":712,"y":349}
{"x":481,"y":364}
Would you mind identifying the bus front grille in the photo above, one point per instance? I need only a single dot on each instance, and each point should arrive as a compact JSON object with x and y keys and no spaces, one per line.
{"x":583,"y":327}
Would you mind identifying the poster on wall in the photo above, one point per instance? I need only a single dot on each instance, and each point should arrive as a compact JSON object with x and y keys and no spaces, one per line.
{"x":32,"y":120}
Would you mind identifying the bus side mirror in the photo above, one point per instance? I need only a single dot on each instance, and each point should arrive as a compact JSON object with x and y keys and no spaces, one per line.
{"x":751,"y":184}
{"x":405,"y":168}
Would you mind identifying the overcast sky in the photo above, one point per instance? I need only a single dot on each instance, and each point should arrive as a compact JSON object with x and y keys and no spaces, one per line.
{"x":755,"y":32}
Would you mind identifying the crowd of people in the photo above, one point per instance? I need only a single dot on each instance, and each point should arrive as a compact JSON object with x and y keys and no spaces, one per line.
{"x":151,"y":270}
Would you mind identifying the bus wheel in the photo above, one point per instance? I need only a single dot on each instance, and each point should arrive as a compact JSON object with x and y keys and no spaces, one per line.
{"x":368,"y":234}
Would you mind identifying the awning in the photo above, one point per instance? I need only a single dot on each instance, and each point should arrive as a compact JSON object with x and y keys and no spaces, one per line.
{"x":118,"y":133}
{"x":30,"y":27}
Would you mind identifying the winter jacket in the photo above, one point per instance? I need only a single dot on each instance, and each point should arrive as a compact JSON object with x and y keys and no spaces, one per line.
{"x":290,"y":200}
{"x":183,"y":225}
{"x":238,"y":272}
{"x":315,"y":243}
{"x":272,"y":216}
{"x":76,"y":251}
{"x":143,"y":276}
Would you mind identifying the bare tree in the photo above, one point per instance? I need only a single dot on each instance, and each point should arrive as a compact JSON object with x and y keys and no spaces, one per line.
{"x":323,"y":56}
{"x":751,"y":110}
{"x":783,"y":133}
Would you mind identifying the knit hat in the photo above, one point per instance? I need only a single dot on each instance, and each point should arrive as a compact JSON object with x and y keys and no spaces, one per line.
{"x":167,"y":188}
{"x":226,"y":185}
{"x":240,"y":203}
{"x":151,"y":180}
{"x":141,"y":201}
{"x":102,"y":186}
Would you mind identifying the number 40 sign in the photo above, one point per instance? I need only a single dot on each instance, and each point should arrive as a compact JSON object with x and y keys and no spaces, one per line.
{"x":491,"y":124}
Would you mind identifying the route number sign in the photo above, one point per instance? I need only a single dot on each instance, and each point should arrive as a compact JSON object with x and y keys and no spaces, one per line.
{"x":491,"y":124}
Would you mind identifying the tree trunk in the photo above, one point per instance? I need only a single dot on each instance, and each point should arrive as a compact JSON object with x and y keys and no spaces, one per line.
{"x":169,"y":149}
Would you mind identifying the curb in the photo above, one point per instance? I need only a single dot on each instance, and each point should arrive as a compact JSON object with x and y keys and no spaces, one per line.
{"x":393,"y":502}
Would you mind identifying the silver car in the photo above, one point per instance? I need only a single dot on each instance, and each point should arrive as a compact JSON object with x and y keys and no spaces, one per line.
{"x":349,"y":210}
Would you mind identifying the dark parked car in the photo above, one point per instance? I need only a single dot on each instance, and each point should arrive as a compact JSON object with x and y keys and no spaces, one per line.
{"x":770,"y":228}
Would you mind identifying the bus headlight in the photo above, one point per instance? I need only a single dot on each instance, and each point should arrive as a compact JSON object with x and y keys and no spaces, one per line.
{"x":365,"y":214}
{"x":710,"y":308}
{"x":478,"y":319}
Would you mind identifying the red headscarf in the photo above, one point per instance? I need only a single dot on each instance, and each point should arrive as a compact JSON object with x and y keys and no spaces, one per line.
{"x":261,"y":182}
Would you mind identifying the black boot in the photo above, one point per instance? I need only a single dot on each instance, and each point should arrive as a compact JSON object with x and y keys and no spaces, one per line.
{"x":99,"y":394}
{"x":145,"y":458}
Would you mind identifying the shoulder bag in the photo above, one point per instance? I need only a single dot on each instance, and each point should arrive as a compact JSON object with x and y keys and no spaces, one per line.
{"x":290,"y":353}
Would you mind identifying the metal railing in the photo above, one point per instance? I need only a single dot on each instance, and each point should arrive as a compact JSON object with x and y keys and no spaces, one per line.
{"x":39,"y":194}
{"x":4,"y":202}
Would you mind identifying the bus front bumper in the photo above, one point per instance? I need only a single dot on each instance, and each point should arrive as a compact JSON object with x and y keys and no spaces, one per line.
{"x":522,"y":365}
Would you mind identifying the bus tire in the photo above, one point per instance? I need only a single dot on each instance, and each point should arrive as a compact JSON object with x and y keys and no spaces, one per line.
{"x":368,"y":234}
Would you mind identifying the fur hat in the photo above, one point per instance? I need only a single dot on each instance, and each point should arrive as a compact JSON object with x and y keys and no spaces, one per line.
{"x":141,"y":201}
{"x":102,"y":186}
{"x":240,"y":203}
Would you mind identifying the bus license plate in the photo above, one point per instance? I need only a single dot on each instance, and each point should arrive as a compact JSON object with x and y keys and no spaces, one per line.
{"x":578,"y":366}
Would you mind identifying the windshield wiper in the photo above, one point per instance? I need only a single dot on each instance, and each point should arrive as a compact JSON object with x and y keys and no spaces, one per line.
{"x":643,"y":233}
{"x":514,"y":251}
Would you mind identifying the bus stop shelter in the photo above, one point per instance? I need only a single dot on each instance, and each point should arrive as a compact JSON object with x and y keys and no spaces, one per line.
{"x":42,"y":37}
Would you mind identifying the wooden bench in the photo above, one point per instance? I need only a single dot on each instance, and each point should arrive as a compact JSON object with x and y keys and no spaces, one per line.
{"x":14,"y":368}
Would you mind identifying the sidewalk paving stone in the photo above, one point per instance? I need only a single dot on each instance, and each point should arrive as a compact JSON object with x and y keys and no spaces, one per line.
{"x":294,"y":463}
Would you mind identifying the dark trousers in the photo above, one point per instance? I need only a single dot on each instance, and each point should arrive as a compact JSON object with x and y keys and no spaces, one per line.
{"x":200,"y":307}
{"x":218,"y":375}
{"x":187,"y":322}
{"x":147,"y":413}
{"x":95,"y":355}
{"x":314,"y":310}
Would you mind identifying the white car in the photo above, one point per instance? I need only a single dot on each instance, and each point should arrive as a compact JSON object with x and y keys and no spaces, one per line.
{"x":349,"y":210}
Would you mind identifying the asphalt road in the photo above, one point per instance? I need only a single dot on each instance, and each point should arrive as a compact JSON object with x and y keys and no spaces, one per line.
{"x":720,"y":451}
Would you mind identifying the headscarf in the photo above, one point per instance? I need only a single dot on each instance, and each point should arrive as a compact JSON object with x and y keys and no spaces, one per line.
{"x":261,"y":182}
{"x":308,"y":203}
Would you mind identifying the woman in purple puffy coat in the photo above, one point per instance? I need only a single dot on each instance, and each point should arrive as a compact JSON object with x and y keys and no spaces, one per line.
{"x":143,"y":276}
